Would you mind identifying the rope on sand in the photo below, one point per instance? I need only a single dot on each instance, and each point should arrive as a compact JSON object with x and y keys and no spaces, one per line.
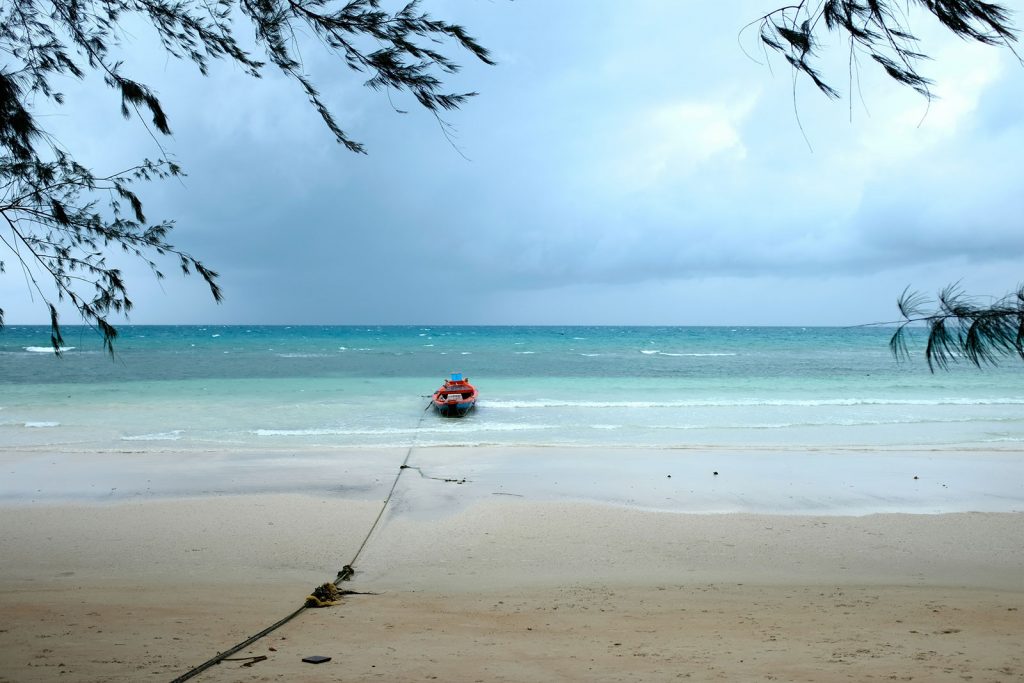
{"x":322,"y":596}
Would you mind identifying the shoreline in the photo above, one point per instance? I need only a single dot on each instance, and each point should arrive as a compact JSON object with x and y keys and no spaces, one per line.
{"x":797,"y":480}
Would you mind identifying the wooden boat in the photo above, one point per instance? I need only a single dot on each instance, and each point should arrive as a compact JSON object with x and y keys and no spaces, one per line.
{"x":455,"y":398}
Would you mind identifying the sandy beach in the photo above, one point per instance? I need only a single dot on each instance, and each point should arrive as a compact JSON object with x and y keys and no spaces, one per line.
{"x":482,"y":581}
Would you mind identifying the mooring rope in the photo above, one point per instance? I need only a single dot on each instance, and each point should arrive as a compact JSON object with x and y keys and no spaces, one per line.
{"x":344,"y":574}
{"x":402,"y":468}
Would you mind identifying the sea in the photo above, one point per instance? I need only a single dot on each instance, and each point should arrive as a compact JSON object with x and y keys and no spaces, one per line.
{"x":225,"y":389}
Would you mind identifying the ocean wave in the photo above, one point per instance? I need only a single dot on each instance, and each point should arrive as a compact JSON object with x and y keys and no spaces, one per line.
{"x":699,"y":355}
{"x":749,"y":403}
{"x":524,"y":353}
{"x":826,"y":423}
{"x":174,"y":435}
{"x":301,"y":355}
{"x":460,"y":427}
{"x":649,"y":352}
{"x":41,"y":425}
{"x":47,"y":349}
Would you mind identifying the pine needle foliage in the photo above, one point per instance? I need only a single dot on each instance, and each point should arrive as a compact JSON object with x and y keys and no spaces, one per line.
{"x":959,"y":327}
{"x":879,"y":30}
{"x":60,"y":220}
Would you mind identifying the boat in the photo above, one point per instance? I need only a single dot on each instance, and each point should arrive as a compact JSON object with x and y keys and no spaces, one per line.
{"x":455,"y":398}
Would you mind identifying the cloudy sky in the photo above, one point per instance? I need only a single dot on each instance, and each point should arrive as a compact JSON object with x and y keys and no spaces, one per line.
{"x":624,"y":163}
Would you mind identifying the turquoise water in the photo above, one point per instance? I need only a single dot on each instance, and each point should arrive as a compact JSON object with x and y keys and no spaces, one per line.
{"x":247,"y":388}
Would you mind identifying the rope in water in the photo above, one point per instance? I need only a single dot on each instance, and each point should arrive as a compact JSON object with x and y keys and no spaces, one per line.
{"x":345,"y":574}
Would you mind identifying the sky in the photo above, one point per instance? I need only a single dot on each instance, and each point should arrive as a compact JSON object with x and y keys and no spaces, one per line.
{"x":623,"y":164}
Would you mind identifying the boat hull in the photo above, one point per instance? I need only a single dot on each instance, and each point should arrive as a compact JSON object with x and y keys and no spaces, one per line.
{"x":455,"y":398}
{"x":453,"y":409}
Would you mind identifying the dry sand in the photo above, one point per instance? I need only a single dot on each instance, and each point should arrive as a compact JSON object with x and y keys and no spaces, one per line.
{"x":507,"y":589}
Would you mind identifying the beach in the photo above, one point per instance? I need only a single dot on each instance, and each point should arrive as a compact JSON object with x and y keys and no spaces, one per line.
{"x":646,"y":504}
{"x":502,"y":573}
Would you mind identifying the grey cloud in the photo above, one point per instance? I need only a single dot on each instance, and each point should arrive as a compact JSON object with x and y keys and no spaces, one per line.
{"x":537,"y":221}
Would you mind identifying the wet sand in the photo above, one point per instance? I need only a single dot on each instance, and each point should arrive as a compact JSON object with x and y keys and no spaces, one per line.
{"x":508,"y":588}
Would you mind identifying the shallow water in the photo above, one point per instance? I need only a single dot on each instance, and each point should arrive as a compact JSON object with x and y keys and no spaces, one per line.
{"x":248,"y":388}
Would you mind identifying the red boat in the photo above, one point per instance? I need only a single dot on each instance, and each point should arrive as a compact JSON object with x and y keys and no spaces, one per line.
{"x":455,"y":398}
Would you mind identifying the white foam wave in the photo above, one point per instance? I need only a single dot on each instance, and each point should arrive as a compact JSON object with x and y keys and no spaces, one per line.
{"x":460,"y":427}
{"x":46,"y":349}
{"x":174,"y":435}
{"x":301,"y":355}
{"x":823,"y":423}
{"x":699,"y":355}
{"x":649,"y":352}
{"x":524,"y":353}
{"x":749,"y":402}
{"x":41,"y":425}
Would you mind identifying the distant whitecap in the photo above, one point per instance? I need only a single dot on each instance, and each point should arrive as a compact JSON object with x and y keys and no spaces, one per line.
{"x":46,"y":349}
{"x":41,"y":425}
{"x":653,"y":352}
{"x":695,"y":355}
